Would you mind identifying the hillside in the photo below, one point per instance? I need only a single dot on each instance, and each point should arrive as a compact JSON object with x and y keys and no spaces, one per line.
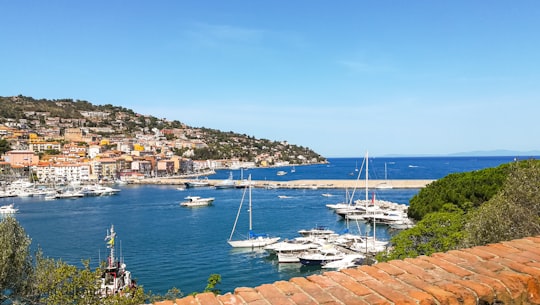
{"x":31,"y":115}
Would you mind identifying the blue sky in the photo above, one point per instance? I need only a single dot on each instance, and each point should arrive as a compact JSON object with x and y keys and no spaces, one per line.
{"x":391,"y":77}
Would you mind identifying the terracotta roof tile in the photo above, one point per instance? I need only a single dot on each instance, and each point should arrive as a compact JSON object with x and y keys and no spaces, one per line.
{"x":503,"y":273}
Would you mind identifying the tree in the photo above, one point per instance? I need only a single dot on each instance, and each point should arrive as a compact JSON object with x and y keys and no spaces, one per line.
{"x":16,"y":271}
{"x":213,"y":280}
{"x":4,"y":146}
{"x":513,"y":213}
{"x":437,"y":232}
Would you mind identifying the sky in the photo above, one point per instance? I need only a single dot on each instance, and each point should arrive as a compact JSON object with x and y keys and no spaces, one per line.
{"x":339,"y":77}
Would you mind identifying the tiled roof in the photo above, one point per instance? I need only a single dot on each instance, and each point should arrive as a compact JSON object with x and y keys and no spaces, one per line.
{"x":503,"y":273}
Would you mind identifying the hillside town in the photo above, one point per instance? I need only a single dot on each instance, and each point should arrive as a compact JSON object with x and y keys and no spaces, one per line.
{"x":119,"y":145}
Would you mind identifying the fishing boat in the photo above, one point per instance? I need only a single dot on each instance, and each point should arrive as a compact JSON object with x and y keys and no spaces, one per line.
{"x":115,"y":277}
{"x":253,"y":240}
{"x":8,"y":209}
{"x":196,"y":201}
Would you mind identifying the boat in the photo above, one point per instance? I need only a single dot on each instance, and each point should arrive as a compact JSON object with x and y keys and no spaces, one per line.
{"x":317,"y":231}
{"x":385,"y":184}
{"x":197,"y":183}
{"x":284,"y":197}
{"x":281,"y":173}
{"x":289,"y":250}
{"x":322,"y":256}
{"x":253,"y":240}
{"x":8,"y":209}
{"x":293,"y":170}
{"x":115,"y":277}
{"x":227,"y":183}
{"x":348,"y":261}
{"x":196,"y":201}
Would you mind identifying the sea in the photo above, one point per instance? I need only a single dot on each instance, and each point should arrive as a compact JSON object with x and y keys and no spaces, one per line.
{"x":165,"y":245}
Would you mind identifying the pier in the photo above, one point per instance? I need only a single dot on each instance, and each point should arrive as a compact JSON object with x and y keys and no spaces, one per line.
{"x":307,"y":184}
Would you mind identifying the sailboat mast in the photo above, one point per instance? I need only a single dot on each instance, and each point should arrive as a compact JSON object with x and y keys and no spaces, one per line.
{"x":367,"y":170}
{"x":250,"y":221}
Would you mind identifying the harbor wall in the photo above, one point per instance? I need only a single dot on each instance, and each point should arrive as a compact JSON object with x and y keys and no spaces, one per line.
{"x":314,"y":184}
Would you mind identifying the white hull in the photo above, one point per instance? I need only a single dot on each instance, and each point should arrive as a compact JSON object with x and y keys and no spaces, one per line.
{"x":288,"y":257}
{"x":195,"y":201}
{"x":253,"y":243}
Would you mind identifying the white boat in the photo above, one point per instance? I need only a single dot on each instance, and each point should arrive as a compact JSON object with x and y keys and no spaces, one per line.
{"x":197,"y":183}
{"x":227,"y":183}
{"x":196,"y":201}
{"x":288,"y":251}
{"x":8,"y":209}
{"x":348,"y":261}
{"x":318,"y":231}
{"x":253,"y":240}
{"x":281,"y":173}
{"x":284,"y":197}
{"x":322,"y":256}
{"x":115,"y":277}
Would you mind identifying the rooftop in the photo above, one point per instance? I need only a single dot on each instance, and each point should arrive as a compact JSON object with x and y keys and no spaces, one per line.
{"x":502,"y":273}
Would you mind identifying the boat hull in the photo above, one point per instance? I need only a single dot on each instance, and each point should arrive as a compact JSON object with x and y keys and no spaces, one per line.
{"x":253,"y":243}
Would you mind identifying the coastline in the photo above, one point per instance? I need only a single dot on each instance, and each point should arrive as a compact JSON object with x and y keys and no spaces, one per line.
{"x":306,"y":184}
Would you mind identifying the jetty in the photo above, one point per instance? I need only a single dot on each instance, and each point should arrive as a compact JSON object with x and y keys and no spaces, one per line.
{"x":304,"y":184}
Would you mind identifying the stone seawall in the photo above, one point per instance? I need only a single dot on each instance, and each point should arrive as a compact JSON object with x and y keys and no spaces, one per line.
{"x":311,"y":184}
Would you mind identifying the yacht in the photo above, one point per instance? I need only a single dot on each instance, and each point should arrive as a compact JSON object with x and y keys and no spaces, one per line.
{"x":196,"y":201}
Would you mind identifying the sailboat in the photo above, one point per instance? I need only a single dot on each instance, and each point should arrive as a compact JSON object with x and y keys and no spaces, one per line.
{"x":385,"y":184}
{"x":253,"y":240}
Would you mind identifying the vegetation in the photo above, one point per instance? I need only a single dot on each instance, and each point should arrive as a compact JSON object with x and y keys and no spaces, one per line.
{"x":39,"y":280}
{"x":121,"y":121}
{"x":470,"y":209}
{"x":4,"y":146}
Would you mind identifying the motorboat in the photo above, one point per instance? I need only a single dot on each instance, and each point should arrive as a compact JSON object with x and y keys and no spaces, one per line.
{"x":318,"y":231}
{"x":289,"y":251}
{"x":8,"y":209}
{"x":281,"y":173}
{"x":196,"y":201}
{"x":348,"y":261}
{"x":197,"y":183}
{"x":322,"y":256}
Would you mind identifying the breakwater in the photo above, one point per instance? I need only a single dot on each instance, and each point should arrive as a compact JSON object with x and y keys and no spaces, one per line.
{"x":307,"y":183}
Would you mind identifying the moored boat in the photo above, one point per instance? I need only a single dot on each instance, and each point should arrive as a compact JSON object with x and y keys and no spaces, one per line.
{"x":253,"y":240}
{"x":197,"y":183}
{"x":227,"y":183}
{"x":115,"y":277}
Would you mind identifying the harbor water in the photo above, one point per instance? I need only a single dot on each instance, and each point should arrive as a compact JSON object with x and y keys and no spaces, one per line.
{"x":165,"y":245}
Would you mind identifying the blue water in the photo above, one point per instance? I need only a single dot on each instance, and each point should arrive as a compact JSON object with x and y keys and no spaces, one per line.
{"x":165,"y":245}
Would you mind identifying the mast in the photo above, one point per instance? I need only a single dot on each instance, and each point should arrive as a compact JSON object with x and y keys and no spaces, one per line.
{"x":110,"y":244}
{"x":250,"y":220}
{"x":367,"y":170}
